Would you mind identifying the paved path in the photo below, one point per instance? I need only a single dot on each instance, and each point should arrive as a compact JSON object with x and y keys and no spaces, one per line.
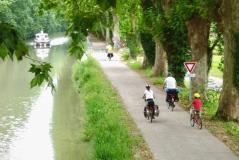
{"x":170,"y":136}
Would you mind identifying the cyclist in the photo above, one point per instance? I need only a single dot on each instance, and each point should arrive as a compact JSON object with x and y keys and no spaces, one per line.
{"x":149,"y":97}
{"x":170,"y":87}
{"x":109,"y":50}
{"x":197,"y":105}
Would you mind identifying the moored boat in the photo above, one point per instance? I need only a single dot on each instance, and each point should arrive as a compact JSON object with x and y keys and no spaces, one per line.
{"x":42,"y":40}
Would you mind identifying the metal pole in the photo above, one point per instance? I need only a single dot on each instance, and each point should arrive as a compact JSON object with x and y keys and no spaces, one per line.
{"x":190,"y":88}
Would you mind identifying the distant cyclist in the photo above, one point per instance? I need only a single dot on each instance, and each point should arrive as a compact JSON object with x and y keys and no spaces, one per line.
{"x":109,"y":50}
{"x":170,"y":87}
{"x":149,"y":97}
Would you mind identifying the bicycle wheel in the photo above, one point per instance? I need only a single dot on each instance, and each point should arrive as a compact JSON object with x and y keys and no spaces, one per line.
{"x":199,"y":123}
{"x":151,"y":116}
{"x":172,"y":106}
{"x":192,"y":121}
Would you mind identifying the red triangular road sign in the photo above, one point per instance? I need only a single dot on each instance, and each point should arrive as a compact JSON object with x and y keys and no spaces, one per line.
{"x":190,"y":66}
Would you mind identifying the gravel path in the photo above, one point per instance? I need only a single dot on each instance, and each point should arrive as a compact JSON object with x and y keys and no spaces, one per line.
{"x":170,"y":136}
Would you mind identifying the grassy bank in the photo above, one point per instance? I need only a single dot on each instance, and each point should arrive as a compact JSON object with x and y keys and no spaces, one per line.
{"x":226,"y":131}
{"x":108,"y":126}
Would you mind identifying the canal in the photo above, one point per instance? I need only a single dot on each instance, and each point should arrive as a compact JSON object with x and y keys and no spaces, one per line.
{"x":37,"y":123}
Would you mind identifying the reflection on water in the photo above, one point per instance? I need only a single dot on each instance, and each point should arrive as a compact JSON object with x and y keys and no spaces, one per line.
{"x":33,"y":142}
{"x":25,"y":114}
{"x":16,"y":100}
{"x":42,"y":53}
{"x":67,"y":118}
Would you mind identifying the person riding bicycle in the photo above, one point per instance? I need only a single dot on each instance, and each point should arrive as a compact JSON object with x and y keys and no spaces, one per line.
{"x":197,"y":104}
{"x":149,"y":97}
{"x":170,"y":87}
{"x":109,"y":50}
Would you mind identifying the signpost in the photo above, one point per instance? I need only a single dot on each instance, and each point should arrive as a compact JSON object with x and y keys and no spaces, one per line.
{"x":190,"y":66}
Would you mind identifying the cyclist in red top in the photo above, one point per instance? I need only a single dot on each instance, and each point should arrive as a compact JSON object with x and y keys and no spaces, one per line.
{"x":197,"y":104}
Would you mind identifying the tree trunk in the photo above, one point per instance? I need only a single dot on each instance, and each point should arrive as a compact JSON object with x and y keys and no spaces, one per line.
{"x":160,"y":64}
{"x":107,"y":35}
{"x":102,"y":31}
{"x":107,"y":29}
{"x":229,"y":100}
{"x":148,"y":45}
{"x":198,"y":34}
{"x":145,"y":62}
{"x":116,"y":32}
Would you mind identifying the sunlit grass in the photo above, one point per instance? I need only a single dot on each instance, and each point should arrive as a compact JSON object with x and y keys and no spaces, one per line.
{"x":215,"y":63}
{"x":107,"y":125}
{"x":232,"y":128}
{"x":135,"y":64}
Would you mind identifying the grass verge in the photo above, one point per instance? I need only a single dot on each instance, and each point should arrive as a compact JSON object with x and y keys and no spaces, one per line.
{"x":108,"y":126}
{"x":137,"y":66}
{"x":226,"y":131}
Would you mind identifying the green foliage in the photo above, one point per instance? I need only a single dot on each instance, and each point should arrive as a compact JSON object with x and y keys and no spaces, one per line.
{"x":11,"y":43}
{"x":22,"y":14}
{"x":105,"y":4}
{"x":132,"y":41}
{"x":232,"y":128}
{"x":216,"y":42}
{"x":41,"y":73}
{"x":81,"y":16}
{"x":235,"y":63}
{"x":168,"y":27}
{"x":159,"y":80}
{"x":125,"y":54}
{"x":184,"y":96}
{"x":174,"y":39}
{"x":148,"y":45}
{"x":105,"y":123}
{"x":210,"y":106}
{"x":217,"y":66}
{"x":135,"y":65}
{"x":221,"y":64}
{"x":188,"y":9}
{"x":129,"y":24}
{"x":129,"y":21}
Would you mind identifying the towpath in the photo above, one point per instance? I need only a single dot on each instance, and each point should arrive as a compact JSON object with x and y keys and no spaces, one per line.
{"x":170,"y":136}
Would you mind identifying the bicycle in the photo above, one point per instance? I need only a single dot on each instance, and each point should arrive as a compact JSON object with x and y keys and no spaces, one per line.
{"x":149,"y":113}
{"x":171,"y":101}
{"x":110,"y":55}
{"x":195,"y":119}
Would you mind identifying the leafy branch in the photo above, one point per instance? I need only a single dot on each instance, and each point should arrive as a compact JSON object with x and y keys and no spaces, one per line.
{"x":12,"y":45}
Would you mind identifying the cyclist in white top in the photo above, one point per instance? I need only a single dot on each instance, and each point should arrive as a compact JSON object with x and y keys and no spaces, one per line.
{"x":149,"y":97}
{"x":170,"y":87}
{"x":170,"y":82}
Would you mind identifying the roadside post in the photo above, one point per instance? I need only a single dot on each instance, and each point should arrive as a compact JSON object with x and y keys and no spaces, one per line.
{"x":190,"y":66}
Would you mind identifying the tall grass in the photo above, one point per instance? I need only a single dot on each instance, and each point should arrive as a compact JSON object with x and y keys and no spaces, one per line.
{"x":106,"y":125}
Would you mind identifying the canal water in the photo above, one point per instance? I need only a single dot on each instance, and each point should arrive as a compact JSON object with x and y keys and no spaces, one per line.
{"x":26,"y":115}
